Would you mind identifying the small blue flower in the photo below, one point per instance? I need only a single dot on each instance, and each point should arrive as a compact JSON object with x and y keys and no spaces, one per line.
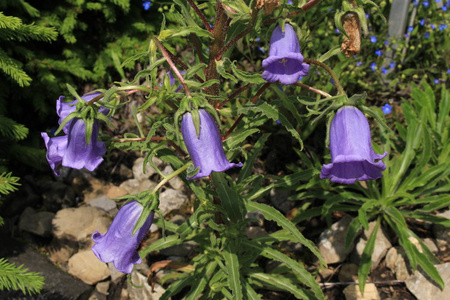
{"x":448,"y":71}
{"x":373,"y":39}
{"x":373,"y":66}
{"x":442,"y":26}
{"x":426,"y":3}
{"x":290,"y":2}
{"x":367,"y":15}
{"x":383,"y":70}
{"x":387,"y":109}
{"x":386,"y":42}
{"x":416,"y":3}
{"x":436,"y":81}
{"x":406,"y":35}
{"x":300,"y":78}
{"x":257,"y":39}
{"x":392,"y":65}
{"x":332,"y":81}
{"x":444,"y":8}
{"x":422,"y":22}
{"x":410,"y":28}
{"x":262,"y":50}
{"x":433,"y":26}
{"x":337,"y":30}
{"x":378,"y":52}
{"x":278,"y":122}
{"x":147,"y":5}
{"x":426,"y":35}
{"x":437,"y":1}
{"x":359,"y":64}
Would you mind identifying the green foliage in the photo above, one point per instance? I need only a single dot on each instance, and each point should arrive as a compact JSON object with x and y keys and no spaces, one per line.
{"x":18,"y":278}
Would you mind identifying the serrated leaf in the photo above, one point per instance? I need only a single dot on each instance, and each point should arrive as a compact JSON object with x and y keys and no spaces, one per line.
{"x":183,"y":31}
{"x":247,"y":77}
{"x":232,"y":265}
{"x":160,"y":244}
{"x":366,"y":258}
{"x":248,"y":165}
{"x":231,"y":202}
{"x":202,"y":280}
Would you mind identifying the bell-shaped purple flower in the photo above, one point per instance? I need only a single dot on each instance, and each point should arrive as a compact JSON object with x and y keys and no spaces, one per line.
{"x":285,"y":62}
{"x":119,"y":245}
{"x":352,"y":156}
{"x":206,"y":150}
{"x":71,"y":150}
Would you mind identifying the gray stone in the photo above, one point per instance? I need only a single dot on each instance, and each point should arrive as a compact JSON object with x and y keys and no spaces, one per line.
{"x":382,"y":245}
{"x":430,"y":244}
{"x":146,"y":185}
{"x":441,"y":233}
{"x":425,"y":289}
{"x":39,"y":223}
{"x":348,"y":273}
{"x":255,"y":231}
{"x":257,"y":216}
{"x":138,"y":170}
{"x":141,"y":290}
{"x":78,"y":224}
{"x":280,"y":200}
{"x":352,"y":292}
{"x":172,"y":201}
{"x":175,"y":182}
{"x":58,"y":285}
{"x":105,"y":204}
{"x":332,"y":242}
{"x":130,"y":185}
{"x":115,"y":275}
{"x":57,"y":196}
{"x":87,"y":267}
{"x":395,"y":261}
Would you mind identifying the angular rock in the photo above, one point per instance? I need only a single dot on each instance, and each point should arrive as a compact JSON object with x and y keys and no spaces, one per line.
{"x":78,"y":224}
{"x":58,"y":285}
{"x":255,"y":231}
{"x":39,"y":223}
{"x":382,"y":245}
{"x":171,"y":201}
{"x":138,"y":170}
{"x":143,"y":291}
{"x":130,"y":186}
{"x":395,"y":261}
{"x":87,"y":267}
{"x":442,"y":233}
{"x":57,"y":196}
{"x":425,"y":289}
{"x":280,"y":200}
{"x":116,"y":191}
{"x":105,"y":204}
{"x":352,"y":292}
{"x":146,"y":185}
{"x":348,"y":273}
{"x":430,"y":244}
{"x":102,"y":287}
{"x":175,"y":182}
{"x":332,"y":241}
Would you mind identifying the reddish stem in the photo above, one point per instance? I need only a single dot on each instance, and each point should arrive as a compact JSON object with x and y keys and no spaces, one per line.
{"x":254,"y":99}
{"x":200,"y":14}
{"x":232,"y":96}
{"x":304,"y":86}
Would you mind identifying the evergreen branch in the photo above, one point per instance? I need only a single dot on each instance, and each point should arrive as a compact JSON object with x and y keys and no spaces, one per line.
{"x":12,"y":130}
{"x":18,"y":278}
{"x":13,"y":69}
{"x":8,"y":183}
{"x":27,"y":32}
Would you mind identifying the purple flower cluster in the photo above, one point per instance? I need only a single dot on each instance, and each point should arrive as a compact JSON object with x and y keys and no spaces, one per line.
{"x":71,"y":150}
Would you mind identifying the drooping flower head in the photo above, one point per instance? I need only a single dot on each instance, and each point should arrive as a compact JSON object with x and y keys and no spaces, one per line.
{"x":119,"y":245}
{"x":352,"y":156}
{"x":71,"y":150}
{"x":285,"y":62}
{"x":206,"y":150}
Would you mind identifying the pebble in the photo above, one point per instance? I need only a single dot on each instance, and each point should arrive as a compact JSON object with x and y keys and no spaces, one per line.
{"x":87,"y":267}
{"x":39,"y":223}
{"x":332,"y":241}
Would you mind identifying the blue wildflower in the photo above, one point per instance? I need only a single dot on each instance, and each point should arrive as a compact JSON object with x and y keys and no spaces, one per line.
{"x":387,"y":109}
{"x":426,"y":35}
{"x":332,"y":81}
{"x":442,"y":26}
{"x":448,"y":71}
{"x":433,"y":26}
{"x":147,"y":5}
{"x":436,"y":81}
{"x":290,"y":2}
{"x":437,"y":1}
{"x":392,"y":65}
{"x":359,"y":64}
{"x":406,"y":35}
{"x":410,"y":28}
{"x":262,"y":50}
{"x":383,"y":70}
{"x":416,"y":3}
{"x":378,"y":52}
{"x":444,"y":8}
{"x":373,"y":39}
{"x":367,"y":15}
{"x":373,"y":66}
{"x":337,"y":30}
{"x":257,"y":39}
{"x":386,"y":42}
{"x":422,"y":22}
{"x":426,"y":3}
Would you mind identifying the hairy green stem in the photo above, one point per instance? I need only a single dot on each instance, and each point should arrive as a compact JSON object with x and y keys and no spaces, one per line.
{"x":329,"y":71}
{"x":170,"y":176}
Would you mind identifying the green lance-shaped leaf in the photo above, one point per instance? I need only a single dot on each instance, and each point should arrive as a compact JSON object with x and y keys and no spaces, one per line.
{"x":271,"y":112}
{"x":160,"y":244}
{"x":281,"y":283}
{"x":272,"y":214}
{"x":366,"y":258}
{"x":247,"y":76}
{"x":176,"y":287}
{"x":232,"y":265}
{"x":230,"y":199}
{"x":203,"y":278}
{"x":171,"y":33}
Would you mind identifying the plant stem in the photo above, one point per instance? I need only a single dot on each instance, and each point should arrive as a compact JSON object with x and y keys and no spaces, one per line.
{"x":200,"y":14}
{"x":167,"y":56}
{"x":307,"y":6}
{"x":232,"y":96}
{"x":328,"y":69}
{"x":170,"y":176}
{"x":304,"y":86}
{"x":254,"y":99}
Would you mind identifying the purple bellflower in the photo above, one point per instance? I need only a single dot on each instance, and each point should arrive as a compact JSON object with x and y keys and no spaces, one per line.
{"x":352,"y":156}
{"x":119,"y":245}
{"x":206,"y":150}
{"x":71,"y":150}
{"x":285,"y":62}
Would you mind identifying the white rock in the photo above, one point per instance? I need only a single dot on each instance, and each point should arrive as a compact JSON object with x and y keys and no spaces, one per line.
{"x":382,"y":245}
{"x":104,"y":204}
{"x":332,"y":241}
{"x":442,"y":233}
{"x":352,"y":292}
{"x":138,"y":168}
{"x":78,"y":224}
{"x":175,"y":182}
{"x":424,"y":289}
{"x":171,"y":200}
{"x":87,"y":267}
{"x":144,"y":290}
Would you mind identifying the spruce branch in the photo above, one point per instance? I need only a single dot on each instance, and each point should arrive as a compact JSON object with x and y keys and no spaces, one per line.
{"x":18,"y":278}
